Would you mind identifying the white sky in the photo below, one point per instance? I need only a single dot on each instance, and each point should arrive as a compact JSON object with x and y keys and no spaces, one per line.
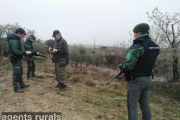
{"x":80,"y":21}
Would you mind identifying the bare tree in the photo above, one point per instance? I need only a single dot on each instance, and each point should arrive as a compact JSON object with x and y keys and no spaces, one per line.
{"x":167,"y":33}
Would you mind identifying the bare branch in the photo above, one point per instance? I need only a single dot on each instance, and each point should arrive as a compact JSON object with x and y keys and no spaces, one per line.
{"x":166,"y":33}
{"x":178,"y":44}
{"x":176,"y":22}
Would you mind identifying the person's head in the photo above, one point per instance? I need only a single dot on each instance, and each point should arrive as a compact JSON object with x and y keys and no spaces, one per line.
{"x":32,"y":38}
{"x":20,"y":33}
{"x":142,"y":28}
{"x":56,"y":34}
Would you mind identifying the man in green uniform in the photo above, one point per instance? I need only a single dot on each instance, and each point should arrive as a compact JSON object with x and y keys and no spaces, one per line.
{"x":138,"y":67}
{"x":59,"y":50}
{"x":16,"y":59}
{"x":28,"y":45}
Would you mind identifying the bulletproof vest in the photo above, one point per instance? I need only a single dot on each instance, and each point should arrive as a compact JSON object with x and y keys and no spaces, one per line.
{"x":147,"y":61}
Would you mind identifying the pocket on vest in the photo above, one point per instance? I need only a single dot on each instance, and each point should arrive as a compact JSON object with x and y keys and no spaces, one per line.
{"x":63,"y":61}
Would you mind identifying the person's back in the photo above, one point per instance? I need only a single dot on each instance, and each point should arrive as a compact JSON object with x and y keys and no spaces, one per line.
{"x":138,"y":66}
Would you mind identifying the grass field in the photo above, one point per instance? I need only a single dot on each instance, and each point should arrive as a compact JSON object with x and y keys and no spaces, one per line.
{"x":86,"y":97}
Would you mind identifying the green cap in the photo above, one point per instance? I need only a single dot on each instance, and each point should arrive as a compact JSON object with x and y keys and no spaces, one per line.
{"x":141,"y":27}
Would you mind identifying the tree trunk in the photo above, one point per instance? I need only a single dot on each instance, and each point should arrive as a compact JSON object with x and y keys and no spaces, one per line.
{"x":175,"y":68}
{"x":175,"y":59}
{"x":117,"y":61}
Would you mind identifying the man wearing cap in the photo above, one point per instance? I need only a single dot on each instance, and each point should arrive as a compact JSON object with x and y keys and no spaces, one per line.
{"x":28,"y":45}
{"x":16,"y":59}
{"x":59,"y":50}
{"x":137,"y":67}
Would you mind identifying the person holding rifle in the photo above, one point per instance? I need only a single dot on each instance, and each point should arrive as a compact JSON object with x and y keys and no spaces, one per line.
{"x":140,"y":60}
{"x":16,"y":59}
{"x":28,"y":45}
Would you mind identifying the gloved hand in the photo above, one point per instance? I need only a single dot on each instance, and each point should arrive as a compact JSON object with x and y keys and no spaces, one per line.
{"x":119,"y":66}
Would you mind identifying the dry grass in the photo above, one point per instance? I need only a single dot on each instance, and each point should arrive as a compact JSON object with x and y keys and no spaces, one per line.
{"x":81,"y":100}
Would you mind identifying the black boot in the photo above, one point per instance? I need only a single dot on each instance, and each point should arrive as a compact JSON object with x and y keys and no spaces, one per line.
{"x":58,"y":85}
{"x":63,"y":87}
{"x":32,"y":75}
{"x":24,"y":86}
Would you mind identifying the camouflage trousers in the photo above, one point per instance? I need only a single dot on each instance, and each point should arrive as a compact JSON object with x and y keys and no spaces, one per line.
{"x":30,"y":68}
{"x":138,"y":92}
{"x":60,"y":71}
{"x":17,"y":75}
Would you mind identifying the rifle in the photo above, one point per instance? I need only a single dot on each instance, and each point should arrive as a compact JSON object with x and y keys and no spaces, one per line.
{"x":115,"y":77}
{"x":43,"y":56}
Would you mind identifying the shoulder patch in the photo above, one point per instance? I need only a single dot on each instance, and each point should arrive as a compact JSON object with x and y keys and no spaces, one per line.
{"x":128,"y":56}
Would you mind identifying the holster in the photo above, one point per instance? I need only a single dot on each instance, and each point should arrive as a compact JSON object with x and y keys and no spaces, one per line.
{"x":129,"y":77}
{"x":13,"y":59}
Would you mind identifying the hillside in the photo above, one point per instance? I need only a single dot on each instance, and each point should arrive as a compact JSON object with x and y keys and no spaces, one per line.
{"x":86,"y":97}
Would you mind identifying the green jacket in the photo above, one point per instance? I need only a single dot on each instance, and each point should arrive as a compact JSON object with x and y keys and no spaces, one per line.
{"x":15,"y":46}
{"x":140,"y":58}
{"x":28,"y":46}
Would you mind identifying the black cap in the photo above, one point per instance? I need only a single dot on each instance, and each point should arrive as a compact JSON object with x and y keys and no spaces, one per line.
{"x":21,"y":31}
{"x":32,"y":37}
{"x":55,"y":32}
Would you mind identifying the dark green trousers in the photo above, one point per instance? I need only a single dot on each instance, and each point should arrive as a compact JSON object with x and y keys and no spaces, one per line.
{"x":30,"y":68}
{"x":61,"y":76}
{"x":17,"y":75}
{"x":138,"y":92}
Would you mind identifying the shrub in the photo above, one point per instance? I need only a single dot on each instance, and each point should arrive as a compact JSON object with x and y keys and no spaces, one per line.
{"x":76,"y":79}
{"x":90,"y":83}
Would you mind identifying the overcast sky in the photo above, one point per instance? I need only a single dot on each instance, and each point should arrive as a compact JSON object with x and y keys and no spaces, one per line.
{"x":80,"y":21}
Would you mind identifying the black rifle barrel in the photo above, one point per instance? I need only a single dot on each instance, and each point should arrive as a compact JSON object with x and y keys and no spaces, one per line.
{"x":114,"y":78}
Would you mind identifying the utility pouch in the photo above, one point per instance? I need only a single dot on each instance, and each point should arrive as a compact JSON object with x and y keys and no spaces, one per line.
{"x":63,"y":61}
{"x":13,"y":59}
{"x":17,"y":67}
{"x":129,"y":77}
